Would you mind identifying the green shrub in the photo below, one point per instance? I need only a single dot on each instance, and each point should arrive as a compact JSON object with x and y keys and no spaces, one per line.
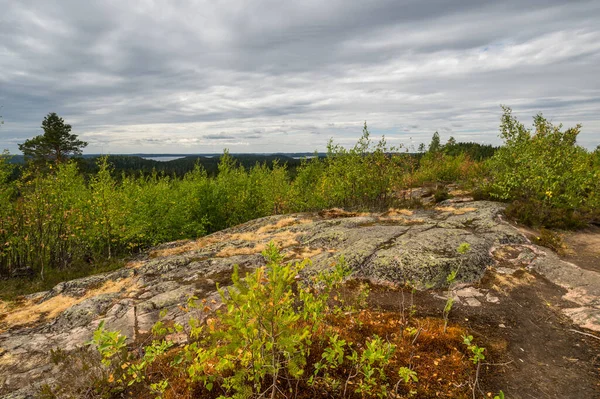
{"x":544,"y":169}
{"x":273,"y":335}
{"x":267,"y":330}
{"x":365,"y":176}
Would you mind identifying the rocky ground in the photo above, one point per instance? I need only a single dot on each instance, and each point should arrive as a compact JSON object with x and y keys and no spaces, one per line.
{"x":538,"y":314}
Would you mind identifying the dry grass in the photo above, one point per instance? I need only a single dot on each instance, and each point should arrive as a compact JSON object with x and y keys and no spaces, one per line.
{"x":7,"y":359}
{"x":134,"y":264}
{"x":302,"y":253}
{"x":505,"y":282}
{"x":281,"y":224}
{"x":282,"y":239}
{"x":400,"y":220}
{"x":4,"y":307}
{"x":455,"y":211}
{"x":186,"y":247}
{"x":232,"y":251}
{"x":30,"y":312}
{"x":262,"y":234}
{"x":397,"y":212}
{"x":252,"y":236}
{"x":459,"y":193}
{"x":335,"y":213}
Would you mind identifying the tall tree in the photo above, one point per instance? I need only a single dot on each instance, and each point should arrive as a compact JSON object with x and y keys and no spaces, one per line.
{"x":435,"y":145}
{"x":57,"y":143}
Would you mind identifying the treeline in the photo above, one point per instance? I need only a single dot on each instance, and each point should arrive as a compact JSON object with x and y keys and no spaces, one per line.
{"x":59,"y":217}
{"x":133,"y":165}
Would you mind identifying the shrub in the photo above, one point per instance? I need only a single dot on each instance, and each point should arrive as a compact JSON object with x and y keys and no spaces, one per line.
{"x":276,"y":335}
{"x":267,"y":330}
{"x":545,"y":169}
{"x":364,"y":176}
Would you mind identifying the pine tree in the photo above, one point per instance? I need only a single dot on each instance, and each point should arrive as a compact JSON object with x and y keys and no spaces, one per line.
{"x":435,"y":145}
{"x":57,"y":143}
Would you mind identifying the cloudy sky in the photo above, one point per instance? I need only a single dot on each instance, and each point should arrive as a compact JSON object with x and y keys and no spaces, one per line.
{"x":263,"y":76}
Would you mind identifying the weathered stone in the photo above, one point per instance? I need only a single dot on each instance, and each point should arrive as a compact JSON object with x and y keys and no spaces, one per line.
{"x":419,"y":247}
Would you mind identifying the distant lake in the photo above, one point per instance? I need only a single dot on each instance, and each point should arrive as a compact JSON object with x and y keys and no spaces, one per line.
{"x":162,"y":159}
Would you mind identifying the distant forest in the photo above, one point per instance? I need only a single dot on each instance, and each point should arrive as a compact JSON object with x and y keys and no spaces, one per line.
{"x":136,"y":164}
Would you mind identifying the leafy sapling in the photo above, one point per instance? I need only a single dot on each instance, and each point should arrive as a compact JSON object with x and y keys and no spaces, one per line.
{"x":409,"y":377}
{"x":462,"y":249}
{"x":477,"y":352}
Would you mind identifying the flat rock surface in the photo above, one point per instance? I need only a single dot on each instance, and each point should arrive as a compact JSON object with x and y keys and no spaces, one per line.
{"x":393,"y":248}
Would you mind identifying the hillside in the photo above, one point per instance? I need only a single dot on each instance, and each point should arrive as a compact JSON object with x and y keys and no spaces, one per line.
{"x":520,"y":301}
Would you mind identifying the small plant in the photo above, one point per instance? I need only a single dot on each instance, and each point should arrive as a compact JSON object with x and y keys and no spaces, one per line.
{"x":552,"y":240}
{"x":409,"y":377}
{"x":125,"y":369}
{"x":268,"y":341}
{"x":462,"y":249}
{"x":332,"y":358}
{"x":447,"y":309}
{"x":370,"y":367}
{"x":159,"y":388}
{"x":500,"y":395}
{"x":407,"y":311}
{"x":110,"y":344}
{"x":441,"y":194}
{"x":265,"y":333}
{"x":477,"y":352}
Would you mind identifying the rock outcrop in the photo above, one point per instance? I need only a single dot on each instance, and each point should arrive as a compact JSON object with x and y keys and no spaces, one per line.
{"x":395,"y":247}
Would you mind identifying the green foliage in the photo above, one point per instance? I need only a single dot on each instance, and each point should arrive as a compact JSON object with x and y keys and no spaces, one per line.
{"x":370,"y":367}
{"x":7,"y":193}
{"x":407,"y":375}
{"x":462,"y":249}
{"x":545,"y":169}
{"x":550,"y":239}
{"x":56,"y":217}
{"x":44,"y":225}
{"x":438,"y":167}
{"x":364,"y":176}
{"x":435,"y":145}
{"x":110,"y":344}
{"x":477,"y":352}
{"x":55,"y":145}
{"x":260,"y":343}
{"x":265,"y":333}
{"x":475,"y":151}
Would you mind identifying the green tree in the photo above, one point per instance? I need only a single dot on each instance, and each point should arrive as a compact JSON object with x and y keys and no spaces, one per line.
{"x":55,"y":145}
{"x":435,"y":145}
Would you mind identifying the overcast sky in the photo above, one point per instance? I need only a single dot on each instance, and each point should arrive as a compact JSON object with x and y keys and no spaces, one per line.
{"x":264,"y":76}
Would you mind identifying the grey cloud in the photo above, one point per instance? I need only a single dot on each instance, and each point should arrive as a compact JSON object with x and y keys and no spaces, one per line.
{"x":219,"y":136}
{"x":285,"y":76}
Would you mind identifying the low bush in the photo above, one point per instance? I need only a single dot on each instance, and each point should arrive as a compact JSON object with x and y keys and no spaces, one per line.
{"x":552,"y":181}
{"x":283,"y":332}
